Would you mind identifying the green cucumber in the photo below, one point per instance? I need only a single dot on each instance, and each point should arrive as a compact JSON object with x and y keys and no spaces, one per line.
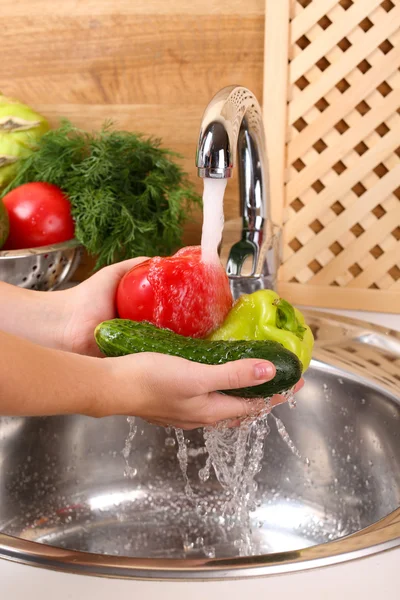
{"x":119,"y":337}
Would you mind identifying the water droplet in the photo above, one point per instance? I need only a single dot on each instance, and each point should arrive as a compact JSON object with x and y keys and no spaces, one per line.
{"x":209,"y":551}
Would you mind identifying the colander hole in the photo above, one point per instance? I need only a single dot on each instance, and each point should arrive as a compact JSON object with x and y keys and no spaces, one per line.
{"x":50,"y":265}
{"x":24,"y":279}
{"x":34,"y":267}
{"x":46,"y":256}
{"x":53,"y":271}
{"x":38,"y":276}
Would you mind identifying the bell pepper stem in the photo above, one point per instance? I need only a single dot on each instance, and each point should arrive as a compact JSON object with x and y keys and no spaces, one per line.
{"x":286,"y":318}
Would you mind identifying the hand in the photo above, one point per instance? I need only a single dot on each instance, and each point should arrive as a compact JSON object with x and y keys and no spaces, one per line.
{"x":88,"y":304}
{"x":166,"y":390}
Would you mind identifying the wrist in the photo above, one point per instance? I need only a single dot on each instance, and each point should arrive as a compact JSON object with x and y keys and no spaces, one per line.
{"x":56,"y":316}
{"x":95,"y":387}
{"x":39,"y":317}
{"x":92,"y":390}
{"x":62,"y":308}
{"x":103,"y":393}
{"x":118,"y":387}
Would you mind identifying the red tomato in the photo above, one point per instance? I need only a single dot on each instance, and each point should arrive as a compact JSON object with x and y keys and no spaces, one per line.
{"x":180,"y":293}
{"x":39,"y":214}
{"x":135,"y":295}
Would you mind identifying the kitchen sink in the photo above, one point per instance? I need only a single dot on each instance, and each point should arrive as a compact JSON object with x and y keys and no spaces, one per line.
{"x":66,"y":504}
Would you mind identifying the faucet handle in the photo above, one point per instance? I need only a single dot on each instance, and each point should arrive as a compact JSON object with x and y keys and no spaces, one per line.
{"x":253,"y":261}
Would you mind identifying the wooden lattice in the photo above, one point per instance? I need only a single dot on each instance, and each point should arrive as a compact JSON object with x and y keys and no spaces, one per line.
{"x":331,"y":104}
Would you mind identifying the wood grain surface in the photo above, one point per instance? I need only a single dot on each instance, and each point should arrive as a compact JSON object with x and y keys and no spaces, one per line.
{"x":334,"y":116}
{"x":150,"y":66}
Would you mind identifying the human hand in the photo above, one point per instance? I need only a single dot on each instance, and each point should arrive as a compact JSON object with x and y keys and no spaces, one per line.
{"x":88,"y":304}
{"x":167,"y":390}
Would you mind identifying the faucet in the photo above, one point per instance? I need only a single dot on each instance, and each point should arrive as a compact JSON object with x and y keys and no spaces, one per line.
{"x":231,"y":128}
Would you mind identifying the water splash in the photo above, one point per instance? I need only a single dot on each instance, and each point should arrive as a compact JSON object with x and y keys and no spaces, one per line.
{"x":183,"y":461}
{"x":130,"y":471}
{"x":235,"y":454}
{"x":290,"y":398}
{"x":285,"y":436}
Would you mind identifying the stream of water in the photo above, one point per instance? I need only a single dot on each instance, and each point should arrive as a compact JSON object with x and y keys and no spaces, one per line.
{"x":213,"y":219}
{"x":234,"y":453}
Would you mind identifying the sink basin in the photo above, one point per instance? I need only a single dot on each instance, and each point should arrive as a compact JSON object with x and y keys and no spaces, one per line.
{"x":65,"y":503}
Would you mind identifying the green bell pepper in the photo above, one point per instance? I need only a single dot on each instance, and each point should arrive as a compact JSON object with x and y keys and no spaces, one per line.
{"x":263,"y":315}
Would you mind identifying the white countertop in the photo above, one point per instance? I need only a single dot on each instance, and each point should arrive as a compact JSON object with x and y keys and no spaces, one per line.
{"x":389,"y":320}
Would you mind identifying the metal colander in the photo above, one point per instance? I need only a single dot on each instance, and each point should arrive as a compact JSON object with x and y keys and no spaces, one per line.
{"x":44,"y":268}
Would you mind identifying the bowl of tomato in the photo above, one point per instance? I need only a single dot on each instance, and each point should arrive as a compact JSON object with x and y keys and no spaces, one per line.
{"x":40,"y":251}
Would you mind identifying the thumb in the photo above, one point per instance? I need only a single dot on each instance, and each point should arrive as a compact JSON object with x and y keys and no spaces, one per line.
{"x":118,"y":270}
{"x":230,"y":376}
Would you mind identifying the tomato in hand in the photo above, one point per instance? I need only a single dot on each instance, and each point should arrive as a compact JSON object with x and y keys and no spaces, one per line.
{"x":180,"y":293}
{"x":39,"y":215}
{"x":135,"y":295}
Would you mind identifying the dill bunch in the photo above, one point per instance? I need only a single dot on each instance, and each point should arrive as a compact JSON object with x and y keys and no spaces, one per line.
{"x":128,"y":196}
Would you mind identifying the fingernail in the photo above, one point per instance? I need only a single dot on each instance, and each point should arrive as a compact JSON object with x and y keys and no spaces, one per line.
{"x":264,"y":371}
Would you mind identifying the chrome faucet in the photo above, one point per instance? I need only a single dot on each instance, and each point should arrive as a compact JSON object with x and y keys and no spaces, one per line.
{"x":232,"y":125}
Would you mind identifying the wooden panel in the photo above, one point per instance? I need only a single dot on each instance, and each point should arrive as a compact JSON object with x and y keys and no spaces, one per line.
{"x":340,"y":298}
{"x":323,"y":43}
{"x":341,"y":193}
{"x":124,"y":59}
{"x":46,"y":8}
{"x":276,"y":45}
{"x":151,"y":66}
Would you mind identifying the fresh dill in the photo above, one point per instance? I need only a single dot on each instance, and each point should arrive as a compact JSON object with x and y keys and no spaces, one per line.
{"x":128,"y":195}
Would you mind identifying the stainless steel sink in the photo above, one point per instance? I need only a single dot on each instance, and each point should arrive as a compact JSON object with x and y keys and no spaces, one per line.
{"x":65,"y":503}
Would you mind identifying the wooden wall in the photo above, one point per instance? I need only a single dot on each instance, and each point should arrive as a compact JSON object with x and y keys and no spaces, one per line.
{"x":151,"y":65}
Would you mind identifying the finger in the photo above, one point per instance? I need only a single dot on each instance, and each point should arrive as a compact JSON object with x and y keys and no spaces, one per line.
{"x":299,"y":385}
{"x":156,"y":423}
{"x":213,"y":408}
{"x":276,"y":400}
{"x":119,"y":269}
{"x":200,"y":379}
{"x":234,"y":423}
{"x":187,"y":426}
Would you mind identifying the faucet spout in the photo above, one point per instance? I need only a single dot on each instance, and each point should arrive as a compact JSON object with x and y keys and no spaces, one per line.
{"x":232,"y":131}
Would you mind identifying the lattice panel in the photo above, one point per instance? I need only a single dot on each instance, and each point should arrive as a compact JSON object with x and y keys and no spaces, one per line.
{"x":341,"y":171}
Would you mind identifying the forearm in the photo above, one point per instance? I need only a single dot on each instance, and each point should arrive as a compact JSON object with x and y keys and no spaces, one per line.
{"x":35,"y":316}
{"x":36,"y":381}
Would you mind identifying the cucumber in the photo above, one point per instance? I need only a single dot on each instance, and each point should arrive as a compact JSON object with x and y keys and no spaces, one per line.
{"x":119,"y":337}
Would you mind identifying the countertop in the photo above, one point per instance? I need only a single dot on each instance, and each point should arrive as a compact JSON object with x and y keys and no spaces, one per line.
{"x":389,"y":320}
